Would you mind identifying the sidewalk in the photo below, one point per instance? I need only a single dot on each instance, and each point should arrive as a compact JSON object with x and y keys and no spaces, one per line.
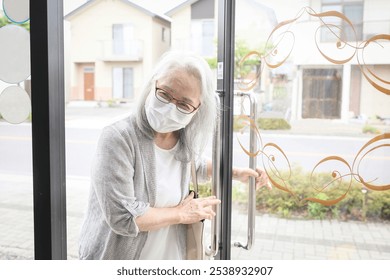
{"x":92,"y":115}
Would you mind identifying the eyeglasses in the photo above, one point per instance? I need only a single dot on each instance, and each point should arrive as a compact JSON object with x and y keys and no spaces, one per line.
{"x":181,"y":106}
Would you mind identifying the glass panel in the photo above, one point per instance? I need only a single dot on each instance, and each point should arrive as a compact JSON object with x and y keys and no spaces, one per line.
{"x":316,"y":104}
{"x":16,"y":182}
{"x":355,"y":14}
{"x":117,"y":82}
{"x":118,"y":39}
{"x":331,"y":30}
{"x":122,"y":65}
{"x":208,"y":46}
{"x":128,"y":83}
{"x":304,"y":107}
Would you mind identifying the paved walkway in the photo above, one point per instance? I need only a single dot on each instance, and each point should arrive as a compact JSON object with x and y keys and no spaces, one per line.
{"x":275,"y":238}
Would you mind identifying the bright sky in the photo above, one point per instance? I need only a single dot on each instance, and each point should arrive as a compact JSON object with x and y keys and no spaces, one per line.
{"x":159,"y":6}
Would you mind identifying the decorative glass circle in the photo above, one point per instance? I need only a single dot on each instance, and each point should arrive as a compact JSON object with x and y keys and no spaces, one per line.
{"x":17,"y":10}
{"x":14,"y":54}
{"x":15,"y":104}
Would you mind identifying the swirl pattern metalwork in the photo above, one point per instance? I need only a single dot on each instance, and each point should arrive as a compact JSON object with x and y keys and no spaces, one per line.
{"x":274,"y":58}
{"x":270,"y":152}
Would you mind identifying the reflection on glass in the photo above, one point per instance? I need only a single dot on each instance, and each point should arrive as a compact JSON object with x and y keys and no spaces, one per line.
{"x":322,"y":92}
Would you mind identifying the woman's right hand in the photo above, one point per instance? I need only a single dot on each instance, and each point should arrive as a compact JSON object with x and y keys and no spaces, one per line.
{"x":194,"y":210}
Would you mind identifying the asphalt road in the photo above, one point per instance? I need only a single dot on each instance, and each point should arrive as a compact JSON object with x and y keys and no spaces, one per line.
{"x":306,"y":151}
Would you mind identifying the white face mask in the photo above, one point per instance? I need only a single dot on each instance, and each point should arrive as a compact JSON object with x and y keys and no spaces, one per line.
{"x":165,"y":118}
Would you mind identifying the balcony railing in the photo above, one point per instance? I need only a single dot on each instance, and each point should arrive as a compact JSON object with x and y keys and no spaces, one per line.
{"x":122,"y":50}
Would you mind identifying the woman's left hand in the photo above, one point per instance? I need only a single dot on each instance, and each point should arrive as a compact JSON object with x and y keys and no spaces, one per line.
{"x":243,"y":175}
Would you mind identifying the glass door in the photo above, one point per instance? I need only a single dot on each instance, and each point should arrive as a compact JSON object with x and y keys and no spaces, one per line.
{"x":16,"y":191}
{"x":309,"y":105}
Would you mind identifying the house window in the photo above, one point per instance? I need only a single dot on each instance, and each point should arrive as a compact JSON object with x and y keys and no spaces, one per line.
{"x":122,"y":83}
{"x":122,"y":38}
{"x":353,"y":10}
{"x":322,"y":93}
{"x":163,"y":30}
{"x":202,"y":37}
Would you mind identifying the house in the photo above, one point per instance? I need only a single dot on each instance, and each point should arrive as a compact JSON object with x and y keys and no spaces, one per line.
{"x":306,"y":86}
{"x":194,"y":26}
{"x":113,"y":45}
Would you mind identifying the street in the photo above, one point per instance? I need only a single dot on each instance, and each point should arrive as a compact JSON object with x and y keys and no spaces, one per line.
{"x":306,"y":151}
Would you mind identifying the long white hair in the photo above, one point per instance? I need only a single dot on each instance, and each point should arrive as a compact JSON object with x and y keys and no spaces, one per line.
{"x":195,"y":136}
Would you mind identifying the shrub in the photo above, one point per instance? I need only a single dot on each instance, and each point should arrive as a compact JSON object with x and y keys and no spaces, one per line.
{"x":370,"y":129}
{"x":285,"y":204}
{"x":317,"y":210}
{"x":378,"y":205}
{"x":212,"y":62}
{"x":273,"y":124}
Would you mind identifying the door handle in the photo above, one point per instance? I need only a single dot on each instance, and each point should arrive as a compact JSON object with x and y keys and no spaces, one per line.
{"x":252,"y":181}
{"x":212,"y":250}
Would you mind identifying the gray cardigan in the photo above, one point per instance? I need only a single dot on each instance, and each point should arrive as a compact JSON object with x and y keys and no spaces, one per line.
{"x":123,"y":186}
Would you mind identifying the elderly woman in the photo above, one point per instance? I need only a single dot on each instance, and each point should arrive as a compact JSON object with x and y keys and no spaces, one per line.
{"x":139,"y":203}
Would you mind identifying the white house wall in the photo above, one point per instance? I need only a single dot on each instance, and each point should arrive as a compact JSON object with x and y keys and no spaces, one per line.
{"x":374,"y":103}
{"x":92,"y":28}
{"x":181,"y":29}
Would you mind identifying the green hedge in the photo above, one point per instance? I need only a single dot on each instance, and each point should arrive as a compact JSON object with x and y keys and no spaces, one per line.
{"x":273,"y":124}
{"x":262,"y":123}
{"x":356,"y":205}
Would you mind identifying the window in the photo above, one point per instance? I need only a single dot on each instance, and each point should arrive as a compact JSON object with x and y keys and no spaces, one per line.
{"x":321,"y":93}
{"x":122,"y":36}
{"x":163,"y":35}
{"x":122,"y":83}
{"x":203,"y":37}
{"x":351,"y":9}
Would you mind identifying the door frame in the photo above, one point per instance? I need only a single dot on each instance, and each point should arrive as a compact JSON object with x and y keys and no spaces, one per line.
{"x":225,"y":89}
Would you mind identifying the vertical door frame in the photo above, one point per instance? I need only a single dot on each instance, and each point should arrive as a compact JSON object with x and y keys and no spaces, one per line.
{"x":225,"y":88}
{"x":48,"y":129}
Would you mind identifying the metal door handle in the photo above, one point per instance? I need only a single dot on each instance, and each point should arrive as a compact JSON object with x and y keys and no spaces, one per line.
{"x":252,"y":181}
{"x":212,"y":250}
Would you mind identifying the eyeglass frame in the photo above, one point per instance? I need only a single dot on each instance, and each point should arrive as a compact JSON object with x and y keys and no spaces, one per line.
{"x":171,"y":98}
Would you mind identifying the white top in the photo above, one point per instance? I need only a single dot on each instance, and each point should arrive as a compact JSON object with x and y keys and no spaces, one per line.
{"x":162,"y":244}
